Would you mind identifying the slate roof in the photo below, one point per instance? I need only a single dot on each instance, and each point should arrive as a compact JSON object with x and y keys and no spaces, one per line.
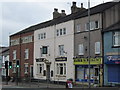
{"x":115,"y":26}
{"x":97,"y":9}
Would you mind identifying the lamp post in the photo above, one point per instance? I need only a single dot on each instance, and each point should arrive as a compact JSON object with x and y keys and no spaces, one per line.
{"x":89,"y":84}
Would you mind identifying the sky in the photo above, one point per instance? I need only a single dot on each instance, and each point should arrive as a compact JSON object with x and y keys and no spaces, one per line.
{"x":16,"y":15}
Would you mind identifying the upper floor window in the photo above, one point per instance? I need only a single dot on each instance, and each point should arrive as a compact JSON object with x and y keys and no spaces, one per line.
{"x":80,"y":49}
{"x":14,"y":42}
{"x":26,"y":53}
{"x":41,"y":36}
{"x":93,"y":25}
{"x":57,"y":32}
{"x":78,"y":28}
{"x":116,"y":38}
{"x":14,"y":55}
{"x":27,"y":39}
{"x":61,"y":50}
{"x":64,"y":31}
{"x":60,"y":32}
{"x":86,"y":26}
{"x":97,"y":47}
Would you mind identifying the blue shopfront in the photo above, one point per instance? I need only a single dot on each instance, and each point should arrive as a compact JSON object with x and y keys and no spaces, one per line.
{"x":113,"y":69}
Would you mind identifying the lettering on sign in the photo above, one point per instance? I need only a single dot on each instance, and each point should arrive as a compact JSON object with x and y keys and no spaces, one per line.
{"x":61,"y":59}
{"x":84,"y":61}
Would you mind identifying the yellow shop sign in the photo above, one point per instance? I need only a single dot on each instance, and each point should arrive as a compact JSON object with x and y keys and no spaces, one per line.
{"x":84,"y":61}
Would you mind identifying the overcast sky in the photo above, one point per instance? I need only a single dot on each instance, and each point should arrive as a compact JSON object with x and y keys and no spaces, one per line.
{"x":16,"y":15}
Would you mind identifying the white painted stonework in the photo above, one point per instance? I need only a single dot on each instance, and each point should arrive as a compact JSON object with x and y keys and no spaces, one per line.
{"x":53,"y":41}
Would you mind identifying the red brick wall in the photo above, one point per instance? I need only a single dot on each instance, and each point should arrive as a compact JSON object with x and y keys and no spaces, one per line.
{"x":20,"y":53}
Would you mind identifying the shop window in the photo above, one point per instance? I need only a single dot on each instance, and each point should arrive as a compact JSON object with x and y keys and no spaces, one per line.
{"x":96,"y":72}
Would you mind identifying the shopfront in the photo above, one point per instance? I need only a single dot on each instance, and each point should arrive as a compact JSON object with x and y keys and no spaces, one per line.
{"x":82,"y":70}
{"x":113,"y":68}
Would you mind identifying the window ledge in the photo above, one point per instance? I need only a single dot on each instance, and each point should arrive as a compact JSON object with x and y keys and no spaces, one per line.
{"x":60,"y":75}
{"x":115,"y":46}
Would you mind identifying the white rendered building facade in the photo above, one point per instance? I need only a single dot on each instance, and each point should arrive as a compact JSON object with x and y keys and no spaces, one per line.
{"x":54,"y":44}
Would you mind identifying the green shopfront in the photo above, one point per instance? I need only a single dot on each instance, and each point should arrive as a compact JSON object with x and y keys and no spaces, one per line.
{"x":82,"y":70}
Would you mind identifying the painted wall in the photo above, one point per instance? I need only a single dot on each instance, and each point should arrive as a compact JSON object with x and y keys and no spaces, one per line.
{"x":52,"y":41}
{"x":108,"y":50}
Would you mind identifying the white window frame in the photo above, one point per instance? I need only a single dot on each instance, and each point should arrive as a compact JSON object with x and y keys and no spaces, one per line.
{"x":14,"y":54}
{"x":116,"y":38}
{"x":64,"y":31}
{"x":78,"y":27}
{"x":26,"y":53}
{"x":14,"y":67}
{"x":57,"y":32}
{"x":40,"y":68}
{"x":61,"y":66}
{"x":86,"y":26}
{"x":61,"y":50}
{"x":61,"y":32}
{"x":41,"y":36}
{"x":97,"y":48}
{"x":96,"y":25}
{"x":26,"y":68}
{"x":80,"y":49}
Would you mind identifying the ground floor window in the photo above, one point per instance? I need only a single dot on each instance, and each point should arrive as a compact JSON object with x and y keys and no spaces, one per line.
{"x":82,"y":73}
{"x":61,"y":68}
{"x":26,"y":68}
{"x":40,"y":68}
{"x":14,"y":67}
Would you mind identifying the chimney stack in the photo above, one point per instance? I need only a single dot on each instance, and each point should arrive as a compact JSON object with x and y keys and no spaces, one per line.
{"x":56,"y":14}
{"x":75,"y":9}
{"x":63,"y":13}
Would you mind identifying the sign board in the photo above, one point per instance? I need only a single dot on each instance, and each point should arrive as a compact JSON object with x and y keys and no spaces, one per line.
{"x":112,"y":59}
{"x":85,"y":61}
{"x":61,"y":59}
{"x":39,"y":59}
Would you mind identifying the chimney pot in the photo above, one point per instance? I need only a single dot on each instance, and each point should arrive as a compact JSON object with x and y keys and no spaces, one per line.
{"x":63,"y":11}
{"x":81,"y":5}
{"x":74,"y":3}
{"x":55,"y":9}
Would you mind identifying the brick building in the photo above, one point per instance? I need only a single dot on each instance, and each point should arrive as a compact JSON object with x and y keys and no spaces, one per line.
{"x":21,"y":49}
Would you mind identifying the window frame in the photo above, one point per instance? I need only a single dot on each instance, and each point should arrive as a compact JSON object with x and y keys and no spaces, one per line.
{"x":26,"y":54}
{"x":97,"y":47}
{"x":14,"y":54}
{"x":80,"y":49}
{"x":61,"y":50}
{"x":114,"y":38}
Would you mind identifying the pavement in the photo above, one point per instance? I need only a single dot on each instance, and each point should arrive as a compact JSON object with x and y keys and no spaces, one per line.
{"x":45,"y":86}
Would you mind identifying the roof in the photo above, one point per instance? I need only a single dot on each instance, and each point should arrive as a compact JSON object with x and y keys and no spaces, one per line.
{"x":115,"y":26}
{"x":93,"y":10}
{"x":4,"y":49}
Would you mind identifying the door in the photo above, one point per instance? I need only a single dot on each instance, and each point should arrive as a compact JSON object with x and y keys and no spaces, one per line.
{"x":31,"y":71}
